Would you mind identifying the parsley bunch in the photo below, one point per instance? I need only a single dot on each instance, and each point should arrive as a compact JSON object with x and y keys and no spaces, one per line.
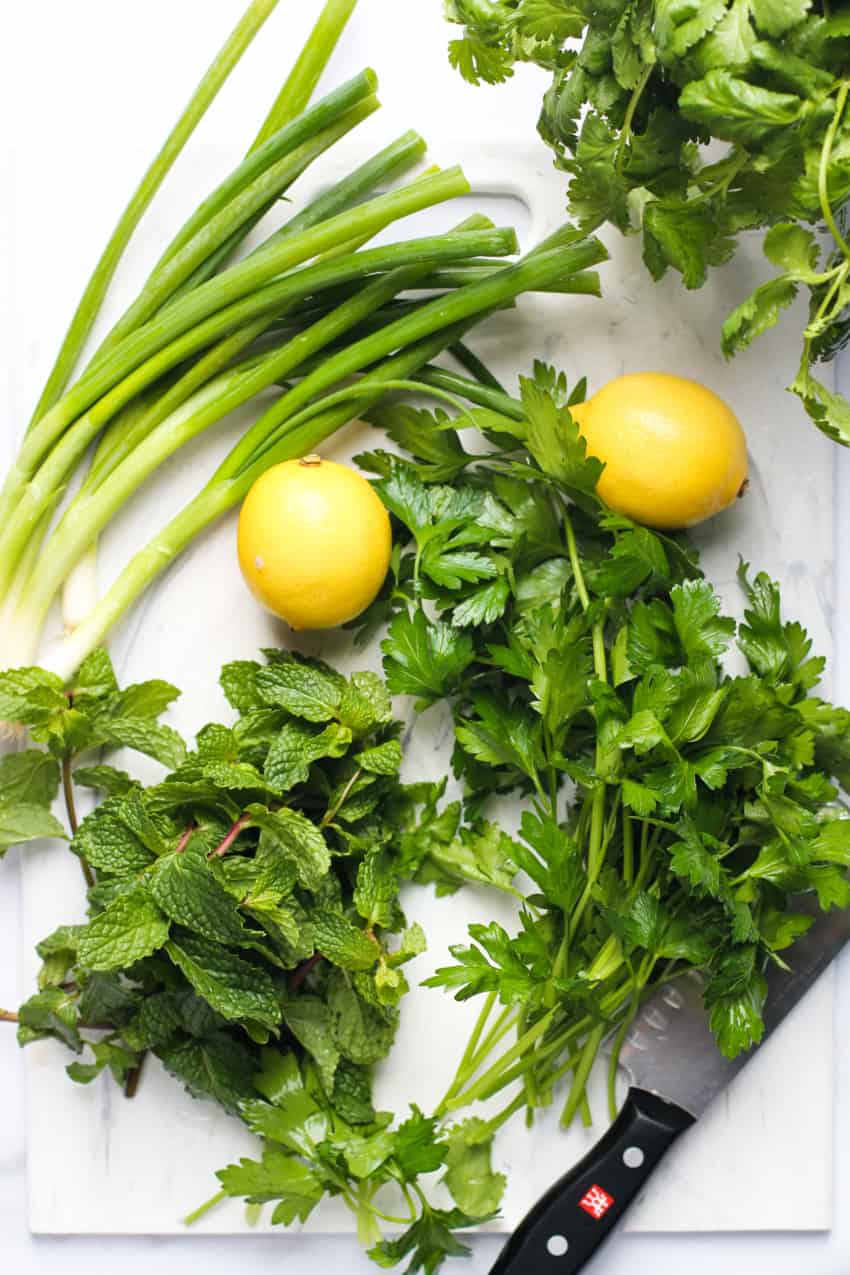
{"x":640,"y":86}
{"x":673,"y":809}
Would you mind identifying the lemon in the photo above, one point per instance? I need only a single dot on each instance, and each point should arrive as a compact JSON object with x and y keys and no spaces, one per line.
{"x":674,"y":453}
{"x":314,"y":542}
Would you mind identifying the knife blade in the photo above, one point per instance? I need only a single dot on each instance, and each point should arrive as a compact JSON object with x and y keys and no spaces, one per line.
{"x":674,"y":1070}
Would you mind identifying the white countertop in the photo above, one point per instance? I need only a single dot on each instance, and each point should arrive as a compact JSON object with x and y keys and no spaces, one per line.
{"x":63,"y":65}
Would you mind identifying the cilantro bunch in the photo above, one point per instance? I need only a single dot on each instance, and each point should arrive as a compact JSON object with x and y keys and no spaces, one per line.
{"x":244,"y":926}
{"x":674,"y":811}
{"x":639,"y":87}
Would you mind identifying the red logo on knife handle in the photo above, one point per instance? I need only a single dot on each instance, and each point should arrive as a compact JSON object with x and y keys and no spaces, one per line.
{"x":596,"y":1202}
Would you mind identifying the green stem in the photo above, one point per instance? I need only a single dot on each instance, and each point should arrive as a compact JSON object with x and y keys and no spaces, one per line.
{"x":468,"y":1054}
{"x":626,"y":131}
{"x":580,"y":1078}
{"x":92,"y":299}
{"x":233,"y":285}
{"x":510,"y":1056}
{"x":304,"y":76}
{"x":433,"y":316}
{"x":628,"y":849}
{"x":211,"y":1203}
{"x":177,"y":266}
{"x":823,"y":169}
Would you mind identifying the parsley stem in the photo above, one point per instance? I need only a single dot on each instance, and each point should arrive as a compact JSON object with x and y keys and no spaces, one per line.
{"x":8,"y":1016}
{"x":580,"y":1078}
{"x":634,"y":100}
{"x":465,"y":1067}
{"x":823,"y":168}
{"x":510,"y":1056}
{"x":191,"y":1218}
{"x":628,"y":849}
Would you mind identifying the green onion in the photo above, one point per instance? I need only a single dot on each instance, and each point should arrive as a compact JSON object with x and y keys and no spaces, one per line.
{"x":92,"y":298}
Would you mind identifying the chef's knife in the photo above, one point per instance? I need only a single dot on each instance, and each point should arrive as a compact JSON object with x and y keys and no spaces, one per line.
{"x":674,"y":1071}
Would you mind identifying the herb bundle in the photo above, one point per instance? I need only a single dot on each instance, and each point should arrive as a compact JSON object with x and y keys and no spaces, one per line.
{"x":674,"y":810}
{"x":640,"y":86}
{"x":245,"y":927}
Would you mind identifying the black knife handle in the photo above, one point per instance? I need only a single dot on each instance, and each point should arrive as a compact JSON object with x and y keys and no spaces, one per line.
{"x":568,"y":1224}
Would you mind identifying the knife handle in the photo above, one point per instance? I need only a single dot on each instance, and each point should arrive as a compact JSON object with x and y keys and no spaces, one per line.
{"x":568,"y":1224}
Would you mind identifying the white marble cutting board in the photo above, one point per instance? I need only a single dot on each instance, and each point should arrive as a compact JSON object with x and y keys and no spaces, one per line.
{"x":99,"y":1164}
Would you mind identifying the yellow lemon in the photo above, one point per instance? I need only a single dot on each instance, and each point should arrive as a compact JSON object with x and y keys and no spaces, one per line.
{"x":674,"y":453}
{"x":314,"y":542}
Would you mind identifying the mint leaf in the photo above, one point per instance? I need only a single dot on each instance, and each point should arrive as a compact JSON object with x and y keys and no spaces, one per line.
{"x":297,"y":746}
{"x":305,"y":690}
{"x":31,"y":696}
{"x":239,"y":683}
{"x":187,"y":892}
{"x":115,"y":783}
{"x":216,"y":1066}
{"x":152,"y":738}
{"x":238,"y":990}
{"x":31,"y":776}
{"x":383,"y":759}
{"x":22,"y":821}
{"x":365,"y":703}
{"x":309,"y":1020}
{"x":293,"y":836}
{"x":341,"y":942}
{"x":376,"y":889}
{"x":131,"y":928}
{"x":51,"y":1012}
{"x":362,"y":1033}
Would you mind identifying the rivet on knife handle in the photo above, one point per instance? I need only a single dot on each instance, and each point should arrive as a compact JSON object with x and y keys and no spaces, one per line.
{"x":568,"y":1223}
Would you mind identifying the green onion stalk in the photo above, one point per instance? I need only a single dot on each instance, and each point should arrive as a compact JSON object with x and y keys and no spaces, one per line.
{"x":92,"y":299}
{"x":307,"y":414}
{"x":80,"y":588}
